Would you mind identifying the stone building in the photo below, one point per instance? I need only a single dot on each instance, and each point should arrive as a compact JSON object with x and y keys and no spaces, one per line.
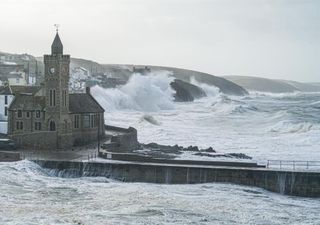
{"x":51,"y":117}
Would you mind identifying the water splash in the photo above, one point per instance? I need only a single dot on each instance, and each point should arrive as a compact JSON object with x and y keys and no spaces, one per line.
{"x":149,"y":93}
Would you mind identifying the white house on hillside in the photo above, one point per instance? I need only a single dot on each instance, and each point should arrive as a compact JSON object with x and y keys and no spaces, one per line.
{"x":6,"y":97}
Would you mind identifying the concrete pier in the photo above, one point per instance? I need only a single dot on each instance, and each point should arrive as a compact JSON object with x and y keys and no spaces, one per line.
{"x":297,"y":183}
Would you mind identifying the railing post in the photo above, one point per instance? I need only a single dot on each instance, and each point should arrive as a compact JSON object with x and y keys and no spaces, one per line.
{"x":307,"y":165}
{"x":280,"y":164}
{"x":294,"y":165}
{"x":268,"y":164}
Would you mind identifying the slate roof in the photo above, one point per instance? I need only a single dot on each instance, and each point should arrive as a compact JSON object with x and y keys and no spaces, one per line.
{"x":83,"y":103}
{"x":28,"y":102}
{"x":57,"y":47}
{"x":5,"y":90}
{"x":17,"y":89}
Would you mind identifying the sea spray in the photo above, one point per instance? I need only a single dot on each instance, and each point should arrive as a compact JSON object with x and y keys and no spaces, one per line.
{"x":142,"y":93}
{"x":211,"y":91}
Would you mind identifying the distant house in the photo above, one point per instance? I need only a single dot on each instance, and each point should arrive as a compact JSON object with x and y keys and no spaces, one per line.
{"x":17,"y":78}
{"x":51,"y":118}
{"x":142,"y":70}
{"x":6,"y":97}
{"x":80,"y":73}
{"x":13,"y":73}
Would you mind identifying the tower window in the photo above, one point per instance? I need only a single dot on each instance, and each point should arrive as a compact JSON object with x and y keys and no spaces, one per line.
{"x":6,"y":111}
{"x":65,"y":98}
{"x":52,"y":97}
{"x":28,"y":114}
{"x":6,"y":99}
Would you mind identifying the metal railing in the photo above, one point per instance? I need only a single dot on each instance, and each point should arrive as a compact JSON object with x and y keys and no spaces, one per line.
{"x":293,"y":164}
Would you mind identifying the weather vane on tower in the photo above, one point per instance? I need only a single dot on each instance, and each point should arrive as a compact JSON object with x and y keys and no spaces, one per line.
{"x":57,"y":27}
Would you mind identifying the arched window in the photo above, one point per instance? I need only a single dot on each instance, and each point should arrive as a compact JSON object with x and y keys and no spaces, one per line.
{"x":52,"y":126}
{"x":52,"y":97}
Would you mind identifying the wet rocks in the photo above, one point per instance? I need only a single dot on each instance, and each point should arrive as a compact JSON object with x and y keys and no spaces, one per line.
{"x":171,"y":151}
{"x":226,"y":155}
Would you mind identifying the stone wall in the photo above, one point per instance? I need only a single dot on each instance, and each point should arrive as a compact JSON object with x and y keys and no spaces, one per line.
{"x":6,"y":156}
{"x":37,"y":140}
{"x":298,"y":183}
{"x":126,"y":139}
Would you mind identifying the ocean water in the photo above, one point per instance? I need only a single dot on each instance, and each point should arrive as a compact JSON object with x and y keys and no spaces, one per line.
{"x":28,"y":195}
{"x":264,"y":126}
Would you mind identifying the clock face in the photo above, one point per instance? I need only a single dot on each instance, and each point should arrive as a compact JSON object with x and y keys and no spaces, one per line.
{"x":52,"y":70}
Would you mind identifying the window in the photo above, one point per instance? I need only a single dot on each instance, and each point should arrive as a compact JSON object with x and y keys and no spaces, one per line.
{"x":52,"y":126}
{"x":65,"y":98}
{"x":28,"y":114}
{"x":19,"y":125}
{"x":19,"y":113}
{"x":52,"y":97}
{"x":92,"y":120}
{"x":62,"y":94}
{"x":38,"y":114}
{"x":97,"y":119}
{"x":86,"y":121}
{"x":6,"y":111}
{"x":6,"y":99}
{"x":76,"y":121}
{"x":37,"y":125}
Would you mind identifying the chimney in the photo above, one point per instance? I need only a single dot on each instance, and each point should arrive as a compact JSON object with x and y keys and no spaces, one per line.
{"x":88,"y":90}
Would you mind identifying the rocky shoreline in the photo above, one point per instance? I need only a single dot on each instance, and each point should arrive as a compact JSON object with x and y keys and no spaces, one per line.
{"x":173,"y":151}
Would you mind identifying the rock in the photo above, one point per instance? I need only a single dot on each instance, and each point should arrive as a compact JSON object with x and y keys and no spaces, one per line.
{"x":239,"y":156}
{"x":210,"y":149}
{"x":186,"y":92}
{"x":191,"y":149}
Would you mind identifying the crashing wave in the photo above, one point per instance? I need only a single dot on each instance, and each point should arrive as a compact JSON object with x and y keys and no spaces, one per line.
{"x":211,"y":91}
{"x":142,"y":93}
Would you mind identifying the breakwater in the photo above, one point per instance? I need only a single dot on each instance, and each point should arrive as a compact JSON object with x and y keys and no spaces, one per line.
{"x":297,"y":183}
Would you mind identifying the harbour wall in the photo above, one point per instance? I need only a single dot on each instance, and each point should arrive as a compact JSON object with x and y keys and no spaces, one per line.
{"x":297,"y":183}
{"x":9,"y":156}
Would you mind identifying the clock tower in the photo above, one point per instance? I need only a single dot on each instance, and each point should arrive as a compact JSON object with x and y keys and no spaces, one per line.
{"x":57,"y":89}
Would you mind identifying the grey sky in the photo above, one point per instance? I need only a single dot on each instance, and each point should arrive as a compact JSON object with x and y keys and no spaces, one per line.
{"x":267,"y":38}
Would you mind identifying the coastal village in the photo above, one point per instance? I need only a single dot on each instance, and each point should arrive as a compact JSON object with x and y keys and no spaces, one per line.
{"x":55,"y":124}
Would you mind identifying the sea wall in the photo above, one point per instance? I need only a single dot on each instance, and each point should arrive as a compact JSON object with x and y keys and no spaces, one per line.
{"x":7,"y":156}
{"x":297,"y":183}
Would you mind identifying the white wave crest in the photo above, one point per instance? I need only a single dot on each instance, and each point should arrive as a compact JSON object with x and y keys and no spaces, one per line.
{"x":225,"y":105}
{"x":289,"y":127}
{"x":142,"y":93}
{"x":211,"y":91}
